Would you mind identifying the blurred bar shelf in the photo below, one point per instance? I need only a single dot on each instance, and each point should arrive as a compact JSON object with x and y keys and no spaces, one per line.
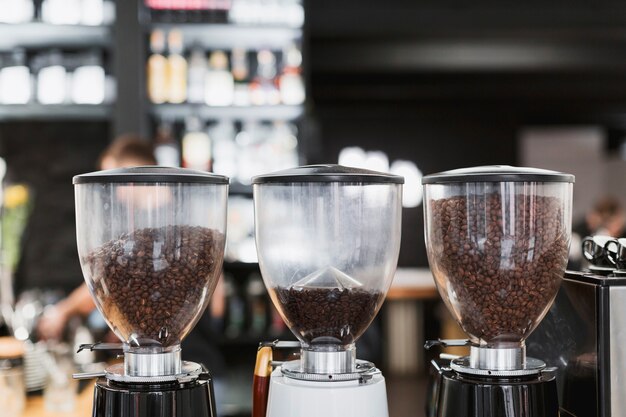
{"x":254,"y":113}
{"x":41,"y":35}
{"x":227,"y":36}
{"x":18,"y":112}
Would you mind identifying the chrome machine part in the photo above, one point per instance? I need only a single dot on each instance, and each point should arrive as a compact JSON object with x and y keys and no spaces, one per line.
{"x":498,"y":359}
{"x":144,"y":363}
{"x":617,"y":335}
{"x":363,"y":371}
{"x":139,"y":364}
{"x":532,"y":366}
{"x":188,"y":372}
{"x":329,"y":362}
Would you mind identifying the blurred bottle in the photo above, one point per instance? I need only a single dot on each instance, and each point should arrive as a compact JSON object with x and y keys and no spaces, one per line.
{"x":61,"y":12}
{"x":108,"y":12}
{"x":283,"y":144}
{"x":16,"y":11}
{"x":197,"y":73}
{"x":12,"y":385}
{"x":196,"y":146}
{"x":158,"y":89}
{"x":110,"y":88}
{"x":59,"y":394}
{"x":51,"y":79}
{"x":92,"y":12}
{"x":251,"y":158}
{"x":257,"y":302}
{"x":225,"y":150}
{"x":291,"y":84}
{"x":177,"y":68}
{"x":240,"y":246}
{"x":241,"y":73}
{"x":243,"y":11}
{"x":15,"y":79}
{"x":267,"y":12}
{"x":240,"y":68}
{"x":270,"y":12}
{"x":166,"y":149}
{"x":263,"y":90}
{"x":89,"y":80}
{"x":82,"y":336}
{"x":219,"y":85}
{"x":293,"y":14}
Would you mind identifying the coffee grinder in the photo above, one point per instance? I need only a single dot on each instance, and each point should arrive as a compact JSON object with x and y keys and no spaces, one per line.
{"x":151,"y":245}
{"x":328,"y":239}
{"x":497,"y":239}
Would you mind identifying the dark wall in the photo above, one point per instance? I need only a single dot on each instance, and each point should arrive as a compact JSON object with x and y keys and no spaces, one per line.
{"x":448,"y":84}
{"x":45,"y":156}
{"x":435,"y":139}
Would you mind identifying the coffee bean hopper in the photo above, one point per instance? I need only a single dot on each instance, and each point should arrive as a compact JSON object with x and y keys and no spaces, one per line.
{"x":497,"y":239}
{"x":328,"y":239}
{"x":151,"y":246}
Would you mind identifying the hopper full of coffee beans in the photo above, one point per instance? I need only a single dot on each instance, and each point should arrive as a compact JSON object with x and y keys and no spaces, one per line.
{"x":153,"y":283}
{"x":328,"y":307}
{"x":498,"y":260}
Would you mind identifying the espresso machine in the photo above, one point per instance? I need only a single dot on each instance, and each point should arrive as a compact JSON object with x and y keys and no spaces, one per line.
{"x":328,"y":239}
{"x":583,"y":335}
{"x":497,"y":239}
{"x":151,"y":246}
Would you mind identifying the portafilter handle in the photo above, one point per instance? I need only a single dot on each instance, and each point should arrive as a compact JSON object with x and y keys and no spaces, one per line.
{"x":262,"y":372}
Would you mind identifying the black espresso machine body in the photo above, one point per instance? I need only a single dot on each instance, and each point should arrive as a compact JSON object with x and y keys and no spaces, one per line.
{"x":174,"y":399}
{"x":584,"y":337}
{"x":454,"y":394}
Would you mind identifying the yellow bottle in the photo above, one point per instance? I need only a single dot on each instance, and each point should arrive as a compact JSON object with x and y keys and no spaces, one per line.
{"x":177,"y":68}
{"x":157,"y":69}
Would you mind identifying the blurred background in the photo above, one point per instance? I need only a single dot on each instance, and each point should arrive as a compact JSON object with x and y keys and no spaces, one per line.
{"x":243,"y":87}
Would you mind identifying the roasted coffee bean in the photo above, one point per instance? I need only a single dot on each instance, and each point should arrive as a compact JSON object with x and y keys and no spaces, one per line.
{"x":328,"y":315}
{"x":151,"y":283}
{"x":499,"y":266}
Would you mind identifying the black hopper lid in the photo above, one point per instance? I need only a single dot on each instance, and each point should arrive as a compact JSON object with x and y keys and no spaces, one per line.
{"x":497,"y":173}
{"x":150,"y":174}
{"x":328,"y":173}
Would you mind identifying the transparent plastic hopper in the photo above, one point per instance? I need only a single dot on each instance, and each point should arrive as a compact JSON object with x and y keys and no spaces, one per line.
{"x":498,"y":239}
{"x":328,"y":240}
{"x":151,"y":245}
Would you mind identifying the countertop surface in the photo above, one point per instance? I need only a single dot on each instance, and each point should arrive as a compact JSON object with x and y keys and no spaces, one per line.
{"x":35,"y":406}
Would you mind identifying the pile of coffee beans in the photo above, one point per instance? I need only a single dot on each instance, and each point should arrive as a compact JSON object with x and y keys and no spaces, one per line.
{"x":328,"y":315}
{"x":500,"y":276}
{"x":151,"y":283}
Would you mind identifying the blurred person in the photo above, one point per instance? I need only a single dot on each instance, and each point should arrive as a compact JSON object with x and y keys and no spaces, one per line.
{"x":606,"y":217}
{"x":125,"y":151}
